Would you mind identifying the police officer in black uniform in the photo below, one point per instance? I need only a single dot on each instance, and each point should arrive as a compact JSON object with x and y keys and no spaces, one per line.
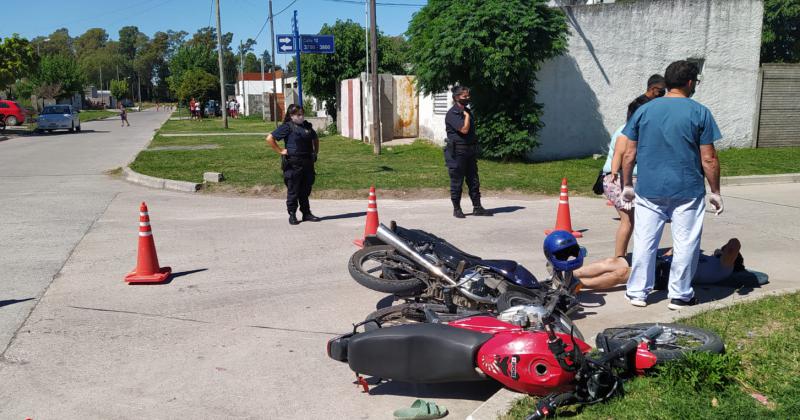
{"x":297,"y":161}
{"x":461,"y":153}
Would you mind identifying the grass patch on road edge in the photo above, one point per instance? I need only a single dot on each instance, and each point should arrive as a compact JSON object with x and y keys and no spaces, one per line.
{"x":96,"y":114}
{"x":762,"y":341}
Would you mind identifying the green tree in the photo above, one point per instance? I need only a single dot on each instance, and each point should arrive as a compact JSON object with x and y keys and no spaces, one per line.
{"x":253,"y":64}
{"x":58,"y":42}
{"x":119,"y":89}
{"x":495,"y":47}
{"x":191,"y":57}
{"x":323,"y":72}
{"x":780,"y":38}
{"x":58,"y":76}
{"x":199,"y":84}
{"x":18,"y":59}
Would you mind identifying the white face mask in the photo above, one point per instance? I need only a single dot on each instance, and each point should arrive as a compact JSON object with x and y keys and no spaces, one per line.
{"x":298,"y":119}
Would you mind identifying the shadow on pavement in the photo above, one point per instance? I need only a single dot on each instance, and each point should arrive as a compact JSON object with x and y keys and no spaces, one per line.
{"x":476,"y":391}
{"x":344,"y":216}
{"x":12,"y":301}
{"x":173,"y":277}
{"x":61,"y":133}
{"x":506,"y":209}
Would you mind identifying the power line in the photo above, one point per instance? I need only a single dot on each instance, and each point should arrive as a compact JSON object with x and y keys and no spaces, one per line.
{"x":273,"y":17}
{"x":210,"y":13}
{"x":379,"y":4}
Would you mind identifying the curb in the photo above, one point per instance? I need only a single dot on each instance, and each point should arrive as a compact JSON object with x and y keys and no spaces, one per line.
{"x":159,"y":183}
{"x":501,"y":401}
{"x":760,"y":179}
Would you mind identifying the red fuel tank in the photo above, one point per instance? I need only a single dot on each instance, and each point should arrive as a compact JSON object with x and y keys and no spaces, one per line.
{"x":520,"y":360}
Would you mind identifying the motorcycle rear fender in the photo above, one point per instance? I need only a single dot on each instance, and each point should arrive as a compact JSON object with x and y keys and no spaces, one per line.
{"x":337,"y":347}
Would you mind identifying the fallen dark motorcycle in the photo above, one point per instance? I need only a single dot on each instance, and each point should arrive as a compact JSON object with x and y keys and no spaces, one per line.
{"x":420,"y":267}
{"x":527,"y":355}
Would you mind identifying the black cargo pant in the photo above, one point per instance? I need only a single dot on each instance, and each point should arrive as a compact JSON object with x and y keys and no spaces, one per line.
{"x":463,"y":166}
{"x":298,"y":175}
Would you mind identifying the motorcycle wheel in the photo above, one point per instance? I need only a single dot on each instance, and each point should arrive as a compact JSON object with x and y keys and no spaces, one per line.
{"x":381,"y":269}
{"x":413,"y":313}
{"x":674,"y":343}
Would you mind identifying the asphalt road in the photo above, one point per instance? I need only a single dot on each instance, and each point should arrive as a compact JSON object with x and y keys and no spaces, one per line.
{"x":241,"y":329}
{"x":52,"y":189}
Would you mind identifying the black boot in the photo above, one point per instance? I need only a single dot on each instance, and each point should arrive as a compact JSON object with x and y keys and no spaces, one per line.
{"x":457,"y":213}
{"x":309,"y":217}
{"x":480,"y":211}
{"x":293,"y":219}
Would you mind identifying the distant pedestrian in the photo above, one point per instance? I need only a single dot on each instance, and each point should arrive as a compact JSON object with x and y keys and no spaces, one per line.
{"x":236,"y":108}
{"x":461,"y":153}
{"x":297,"y":161}
{"x":656,"y":88}
{"x":192,"y":113}
{"x":123,"y":114}
{"x":672,"y":140}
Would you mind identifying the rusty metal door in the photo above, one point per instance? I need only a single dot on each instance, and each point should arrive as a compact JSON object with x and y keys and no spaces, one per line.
{"x":406,"y":108}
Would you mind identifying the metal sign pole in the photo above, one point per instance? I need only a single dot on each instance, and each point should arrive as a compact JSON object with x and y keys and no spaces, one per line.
{"x":297,"y":59}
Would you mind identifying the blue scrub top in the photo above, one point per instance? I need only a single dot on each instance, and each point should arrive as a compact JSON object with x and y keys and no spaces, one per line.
{"x":669,"y":132}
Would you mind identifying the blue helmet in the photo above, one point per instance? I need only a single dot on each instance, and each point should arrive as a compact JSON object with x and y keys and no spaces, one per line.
{"x":563,"y":251}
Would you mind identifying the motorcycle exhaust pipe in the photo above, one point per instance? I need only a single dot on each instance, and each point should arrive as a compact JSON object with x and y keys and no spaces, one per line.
{"x":386,"y":235}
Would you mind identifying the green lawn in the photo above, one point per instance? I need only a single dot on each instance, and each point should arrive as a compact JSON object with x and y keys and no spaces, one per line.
{"x":96,"y":114}
{"x":346,"y":164}
{"x":762,"y":356}
{"x":214,"y":125}
{"x":780,"y":160}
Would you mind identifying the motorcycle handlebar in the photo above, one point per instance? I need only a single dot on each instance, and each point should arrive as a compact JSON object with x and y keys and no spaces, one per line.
{"x":631,"y":344}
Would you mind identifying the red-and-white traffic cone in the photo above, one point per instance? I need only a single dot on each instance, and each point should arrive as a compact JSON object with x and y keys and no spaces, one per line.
{"x":371,"y":226}
{"x":147,"y":269}
{"x":563,"y":219}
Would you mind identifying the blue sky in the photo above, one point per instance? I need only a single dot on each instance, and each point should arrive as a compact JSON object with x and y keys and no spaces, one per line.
{"x":244,"y":18}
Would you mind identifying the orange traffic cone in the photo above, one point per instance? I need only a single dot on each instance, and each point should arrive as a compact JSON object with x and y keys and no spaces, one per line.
{"x":147,"y":269}
{"x":563,"y":219}
{"x":372,"y":218}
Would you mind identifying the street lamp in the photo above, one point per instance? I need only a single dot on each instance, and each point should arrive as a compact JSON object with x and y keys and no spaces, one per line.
{"x":40,"y":43}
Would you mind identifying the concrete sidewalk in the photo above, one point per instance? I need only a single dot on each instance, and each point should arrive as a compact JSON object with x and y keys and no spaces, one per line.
{"x":241,"y":330}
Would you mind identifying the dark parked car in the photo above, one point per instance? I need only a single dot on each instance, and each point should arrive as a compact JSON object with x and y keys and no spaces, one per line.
{"x":212,"y":109}
{"x":11,"y":112}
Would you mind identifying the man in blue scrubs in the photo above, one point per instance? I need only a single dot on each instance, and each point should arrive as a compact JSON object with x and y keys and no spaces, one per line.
{"x":672,"y":140}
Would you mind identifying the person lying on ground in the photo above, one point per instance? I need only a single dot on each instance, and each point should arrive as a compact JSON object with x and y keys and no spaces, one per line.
{"x":711,"y":269}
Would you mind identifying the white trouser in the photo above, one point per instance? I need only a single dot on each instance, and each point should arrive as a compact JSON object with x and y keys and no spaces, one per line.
{"x":687,"y":227}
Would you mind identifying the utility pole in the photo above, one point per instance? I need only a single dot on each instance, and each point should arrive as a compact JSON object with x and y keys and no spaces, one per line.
{"x":297,"y":60}
{"x":244,"y":84}
{"x":221,"y":70}
{"x":139,"y":88}
{"x":274,"y":98}
{"x":376,"y":118}
{"x":263,"y":107}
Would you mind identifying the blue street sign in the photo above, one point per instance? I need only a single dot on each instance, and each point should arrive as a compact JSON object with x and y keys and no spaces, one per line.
{"x":285,"y":43}
{"x":317,"y":44}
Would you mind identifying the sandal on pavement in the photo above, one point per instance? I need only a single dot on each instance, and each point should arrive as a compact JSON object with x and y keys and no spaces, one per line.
{"x":421,"y":410}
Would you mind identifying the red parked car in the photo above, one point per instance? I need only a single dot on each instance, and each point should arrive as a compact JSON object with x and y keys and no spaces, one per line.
{"x":12,"y":112}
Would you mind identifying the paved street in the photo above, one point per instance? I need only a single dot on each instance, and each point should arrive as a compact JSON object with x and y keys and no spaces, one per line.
{"x":241,"y":329}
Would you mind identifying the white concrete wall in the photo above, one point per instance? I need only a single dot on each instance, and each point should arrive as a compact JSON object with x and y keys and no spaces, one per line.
{"x":614,"y":48}
{"x":431,"y":125}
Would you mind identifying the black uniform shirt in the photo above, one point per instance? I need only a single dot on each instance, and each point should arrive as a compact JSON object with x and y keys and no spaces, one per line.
{"x":299,"y":138}
{"x":454,"y":121}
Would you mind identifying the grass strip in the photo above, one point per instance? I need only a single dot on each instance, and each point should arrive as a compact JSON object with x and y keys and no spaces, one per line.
{"x":762,"y":356}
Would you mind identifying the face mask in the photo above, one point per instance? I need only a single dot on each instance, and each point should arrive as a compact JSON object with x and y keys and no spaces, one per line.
{"x":464,"y":102}
{"x":298,"y":119}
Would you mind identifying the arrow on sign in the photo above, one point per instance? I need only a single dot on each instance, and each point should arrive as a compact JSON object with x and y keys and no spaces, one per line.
{"x":286,"y":47}
{"x":285,"y":40}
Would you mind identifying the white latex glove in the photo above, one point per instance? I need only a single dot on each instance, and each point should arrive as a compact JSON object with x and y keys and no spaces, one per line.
{"x":715,"y":200}
{"x":627,"y":197}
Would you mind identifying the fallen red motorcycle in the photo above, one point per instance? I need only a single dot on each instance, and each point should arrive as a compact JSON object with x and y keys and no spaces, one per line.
{"x":527,"y":355}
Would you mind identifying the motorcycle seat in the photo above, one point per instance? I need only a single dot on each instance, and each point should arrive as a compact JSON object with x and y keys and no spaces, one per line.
{"x":419,"y":353}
